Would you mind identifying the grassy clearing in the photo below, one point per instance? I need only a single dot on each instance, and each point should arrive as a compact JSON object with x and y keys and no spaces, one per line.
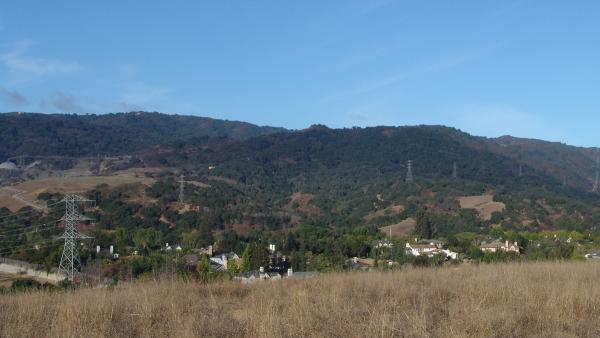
{"x":29,"y":190}
{"x":529,"y":299}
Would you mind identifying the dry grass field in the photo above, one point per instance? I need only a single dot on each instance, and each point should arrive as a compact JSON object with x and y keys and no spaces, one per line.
{"x":18,"y":196}
{"x":483,"y":204}
{"x":511,"y":300}
{"x":399,"y":229}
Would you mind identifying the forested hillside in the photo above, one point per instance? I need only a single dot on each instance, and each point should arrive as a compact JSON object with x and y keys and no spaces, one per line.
{"x":343,"y":177}
{"x":320,"y":191}
{"x":109,"y":134}
{"x":574,"y":166}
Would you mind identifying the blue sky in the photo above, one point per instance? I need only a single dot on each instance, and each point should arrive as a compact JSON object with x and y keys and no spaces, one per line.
{"x":525,"y":68}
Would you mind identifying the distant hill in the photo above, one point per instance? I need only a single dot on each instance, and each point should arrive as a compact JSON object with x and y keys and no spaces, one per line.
{"x":576,"y":166}
{"x":342,"y":176}
{"x":247,"y":177}
{"x":433,"y":150}
{"x":111,"y":134}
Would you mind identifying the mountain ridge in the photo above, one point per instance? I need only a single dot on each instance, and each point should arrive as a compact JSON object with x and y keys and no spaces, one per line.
{"x":113,"y":134}
{"x":38,"y":134}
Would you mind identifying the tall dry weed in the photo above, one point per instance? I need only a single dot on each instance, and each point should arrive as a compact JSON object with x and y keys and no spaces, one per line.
{"x":530,"y":299}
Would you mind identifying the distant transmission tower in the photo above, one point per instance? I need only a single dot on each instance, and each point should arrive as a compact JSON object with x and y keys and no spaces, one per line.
{"x":455,"y":171}
{"x":69,"y":261}
{"x":520,"y":170}
{"x":409,"y":173}
{"x":181,"y":187}
{"x":595,"y":187}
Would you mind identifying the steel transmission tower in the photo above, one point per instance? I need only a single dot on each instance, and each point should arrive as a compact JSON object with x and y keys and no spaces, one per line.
{"x":409,"y":173}
{"x":69,"y":261}
{"x":520,"y":170}
{"x":455,"y":171}
{"x":595,"y":187}
{"x":181,"y":187}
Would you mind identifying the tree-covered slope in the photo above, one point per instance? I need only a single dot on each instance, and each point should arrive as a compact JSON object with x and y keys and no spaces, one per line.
{"x":112,"y":134}
{"x":575,"y":166}
{"x":340,"y":177}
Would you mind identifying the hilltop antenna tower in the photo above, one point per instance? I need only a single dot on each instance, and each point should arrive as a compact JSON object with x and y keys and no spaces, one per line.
{"x":409,"y":173}
{"x":181,"y":188}
{"x":69,"y":261}
{"x":455,"y":171}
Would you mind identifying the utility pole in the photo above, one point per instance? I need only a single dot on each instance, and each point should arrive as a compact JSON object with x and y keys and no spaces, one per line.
{"x":69,"y":261}
{"x":409,"y":173}
{"x":181,"y":186}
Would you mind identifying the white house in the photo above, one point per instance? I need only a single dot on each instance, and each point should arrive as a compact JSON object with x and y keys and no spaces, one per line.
{"x":497,"y":246}
{"x":221,"y":261}
{"x":429,"y":248}
{"x":383,"y":244}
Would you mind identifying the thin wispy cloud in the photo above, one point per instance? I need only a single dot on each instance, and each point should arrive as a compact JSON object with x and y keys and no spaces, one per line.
{"x":491,"y":119}
{"x":13,"y":97}
{"x":414,"y":72}
{"x":139,"y":94}
{"x":18,"y":60}
{"x":360,"y":57}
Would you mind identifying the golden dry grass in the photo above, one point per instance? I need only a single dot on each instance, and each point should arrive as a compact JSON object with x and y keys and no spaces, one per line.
{"x":399,"y":229}
{"x":77,"y":184}
{"x":483,"y":204}
{"x":512,"y":300}
{"x":392,"y":210}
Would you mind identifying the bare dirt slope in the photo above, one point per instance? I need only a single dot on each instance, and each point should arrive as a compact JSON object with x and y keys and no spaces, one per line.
{"x":392,"y":210}
{"x":483,"y":204}
{"x":23,"y":194}
{"x":399,"y":229}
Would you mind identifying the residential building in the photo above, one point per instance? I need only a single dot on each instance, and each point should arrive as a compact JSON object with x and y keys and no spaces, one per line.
{"x":429,"y":248}
{"x":497,"y":246}
{"x":383,"y":244}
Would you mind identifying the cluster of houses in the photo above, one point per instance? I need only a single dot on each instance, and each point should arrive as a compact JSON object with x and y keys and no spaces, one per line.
{"x":497,"y":246}
{"x":279,"y":266}
{"x":432,"y":247}
{"x":429,"y":248}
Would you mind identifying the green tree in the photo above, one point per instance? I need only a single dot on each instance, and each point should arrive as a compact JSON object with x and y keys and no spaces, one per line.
{"x":259,"y":256}
{"x":232,"y":267}
{"x":424,"y":227}
{"x":245,"y":259}
{"x":147,"y":239}
{"x":203,"y":268}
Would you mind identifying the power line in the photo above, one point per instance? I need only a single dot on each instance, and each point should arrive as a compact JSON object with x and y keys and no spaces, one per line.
{"x":19,"y":213}
{"x":27,"y":211}
{"x":32,"y":244}
{"x":33,"y":228}
{"x":28,"y":247}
